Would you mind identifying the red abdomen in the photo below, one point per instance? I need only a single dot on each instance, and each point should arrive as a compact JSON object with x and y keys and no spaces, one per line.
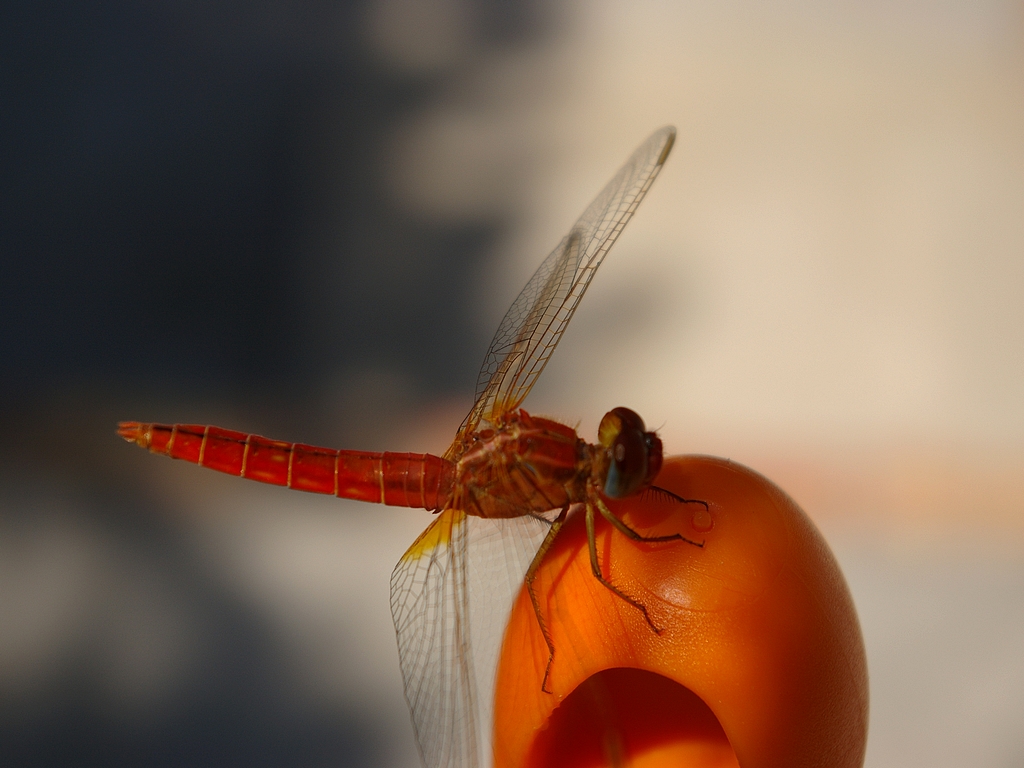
{"x":397,"y":479}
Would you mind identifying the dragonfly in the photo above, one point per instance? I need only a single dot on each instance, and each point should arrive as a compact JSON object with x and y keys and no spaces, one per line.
{"x":501,"y":492}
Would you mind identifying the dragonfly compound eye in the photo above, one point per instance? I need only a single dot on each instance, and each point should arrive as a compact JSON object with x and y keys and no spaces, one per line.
{"x":631,"y":451}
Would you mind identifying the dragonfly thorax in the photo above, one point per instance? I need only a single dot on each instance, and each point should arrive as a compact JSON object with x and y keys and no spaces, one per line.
{"x":521,"y":465}
{"x":528,"y":465}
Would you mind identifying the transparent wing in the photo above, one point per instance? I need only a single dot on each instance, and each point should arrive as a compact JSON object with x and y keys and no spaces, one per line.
{"x":533,"y":325}
{"x":429,"y":603}
{"x":451,"y":595}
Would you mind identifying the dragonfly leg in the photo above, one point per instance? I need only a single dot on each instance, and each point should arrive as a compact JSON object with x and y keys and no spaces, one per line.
{"x":625,"y":530}
{"x":654,"y":490}
{"x":595,"y":566}
{"x":531,"y":574}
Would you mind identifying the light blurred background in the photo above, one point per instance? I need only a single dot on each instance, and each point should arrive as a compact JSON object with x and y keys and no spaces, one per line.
{"x":305,"y":219}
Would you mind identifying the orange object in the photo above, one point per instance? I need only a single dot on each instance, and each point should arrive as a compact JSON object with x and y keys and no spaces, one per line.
{"x":759,"y":662}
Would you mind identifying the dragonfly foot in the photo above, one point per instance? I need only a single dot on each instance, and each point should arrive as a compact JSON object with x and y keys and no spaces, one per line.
{"x":654,"y":627}
{"x":547,"y":674}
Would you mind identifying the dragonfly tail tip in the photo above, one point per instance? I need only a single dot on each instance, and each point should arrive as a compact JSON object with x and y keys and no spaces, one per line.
{"x":131,"y":431}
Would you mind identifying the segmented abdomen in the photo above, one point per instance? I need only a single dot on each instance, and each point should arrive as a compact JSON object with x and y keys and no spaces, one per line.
{"x":397,"y":479}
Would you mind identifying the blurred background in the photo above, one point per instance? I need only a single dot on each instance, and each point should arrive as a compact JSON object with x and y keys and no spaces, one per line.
{"x":305,"y":219}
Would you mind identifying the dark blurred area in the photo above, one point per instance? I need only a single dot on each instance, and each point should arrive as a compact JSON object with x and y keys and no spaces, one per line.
{"x":168,"y":170}
{"x":195,"y":226}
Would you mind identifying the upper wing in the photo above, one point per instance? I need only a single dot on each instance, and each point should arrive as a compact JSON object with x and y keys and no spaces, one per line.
{"x":451,"y":595}
{"x":533,"y":325}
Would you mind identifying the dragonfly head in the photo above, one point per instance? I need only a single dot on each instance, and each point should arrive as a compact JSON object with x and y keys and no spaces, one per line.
{"x":633,"y":454}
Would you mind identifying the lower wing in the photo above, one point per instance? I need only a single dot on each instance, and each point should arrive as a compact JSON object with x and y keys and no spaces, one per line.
{"x":451,"y":594}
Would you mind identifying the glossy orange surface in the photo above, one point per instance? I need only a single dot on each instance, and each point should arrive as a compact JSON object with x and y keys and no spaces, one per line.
{"x":759,"y":663}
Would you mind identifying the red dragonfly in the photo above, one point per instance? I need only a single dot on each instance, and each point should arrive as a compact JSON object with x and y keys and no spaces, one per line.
{"x":502,"y":489}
